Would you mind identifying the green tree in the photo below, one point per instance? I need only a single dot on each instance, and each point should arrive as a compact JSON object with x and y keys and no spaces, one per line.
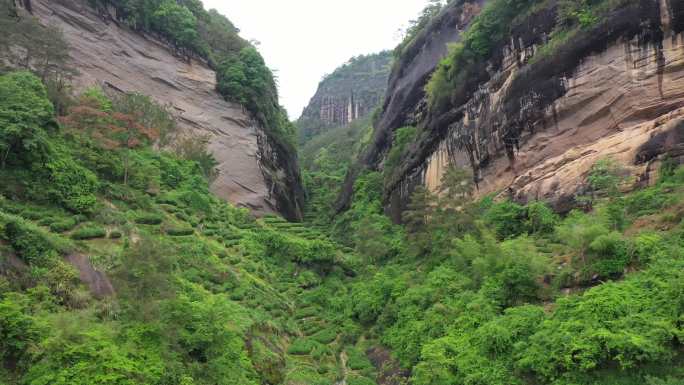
{"x":416,"y":219}
{"x":606,"y":176}
{"x":177,"y":23}
{"x":507,"y":218}
{"x":82,"y":352}
{"x":71,"y":184}
{"x":25,"y":113}
{"x":19,"y":332}
{"x":195,"y":150}
{"x":150,"y":115}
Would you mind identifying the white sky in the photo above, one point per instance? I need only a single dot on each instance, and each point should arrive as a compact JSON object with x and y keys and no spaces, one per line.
{"x":302,"y":40}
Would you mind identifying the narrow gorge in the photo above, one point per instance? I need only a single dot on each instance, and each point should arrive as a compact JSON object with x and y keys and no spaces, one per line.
{"x":498,"y":199}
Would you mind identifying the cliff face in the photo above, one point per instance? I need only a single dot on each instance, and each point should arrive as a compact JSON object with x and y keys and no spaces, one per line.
{"x":532,"y":125}
{"x":404,"y":100}
{"x":119,"y":60}
{"x":351,"y":92}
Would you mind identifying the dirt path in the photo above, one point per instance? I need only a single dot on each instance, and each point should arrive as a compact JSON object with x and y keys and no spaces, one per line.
{"x":343,"y":362}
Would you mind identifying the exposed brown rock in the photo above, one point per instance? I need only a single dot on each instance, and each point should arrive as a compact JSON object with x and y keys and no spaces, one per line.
{"x":97,"y":281}
{"x":531,"y":126}
{"x":114,"y":57}
{"x":623,"y":103}
{"x":389,"y":370}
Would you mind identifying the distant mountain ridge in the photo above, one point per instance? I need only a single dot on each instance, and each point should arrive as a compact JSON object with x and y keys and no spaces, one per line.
{"x":351,"y":92}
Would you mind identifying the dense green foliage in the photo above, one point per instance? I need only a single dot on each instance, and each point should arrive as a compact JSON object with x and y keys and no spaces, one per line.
{"x":464,"y":291}
{"x":205,"y":294}
{"x":498,"y":293}
{"x":243,"y":77}
{"x":325,"y":160}
{"x":185,"y":24}
{"x":465,"y":58}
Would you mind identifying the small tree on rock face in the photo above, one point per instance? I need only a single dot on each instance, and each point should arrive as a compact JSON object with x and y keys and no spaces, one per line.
{"x":606,"y":176}
{"x":432,"y":220}
{"x":456,"y":186}
{"x":195,"y":149}
{"x":129,"y":134}
{"x":416,"y":219}
{"x":455,"y":210}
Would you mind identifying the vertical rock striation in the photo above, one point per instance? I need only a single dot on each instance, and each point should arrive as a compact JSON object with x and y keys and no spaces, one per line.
{"x":351,"y":92}
{"x":531,"y":124}
{"x":120,"y":60}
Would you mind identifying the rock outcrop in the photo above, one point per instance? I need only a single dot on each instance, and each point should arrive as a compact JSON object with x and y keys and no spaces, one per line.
{"x":532,"y":129}
{"x":405,"y":95}
{"x":351,"y":92}
{"x":120,"y":60}
{"x":615,"y":104}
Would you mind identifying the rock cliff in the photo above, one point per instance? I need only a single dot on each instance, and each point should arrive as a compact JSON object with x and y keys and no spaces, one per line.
{"x":108,"y":54}
{"x":532,"y":125}
{"x":405,"y":94}
{"x":350,"y":93}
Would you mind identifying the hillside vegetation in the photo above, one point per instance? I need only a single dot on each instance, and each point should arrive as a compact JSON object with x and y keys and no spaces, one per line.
{"x":466,"y":292}
{"x":119,"y":267}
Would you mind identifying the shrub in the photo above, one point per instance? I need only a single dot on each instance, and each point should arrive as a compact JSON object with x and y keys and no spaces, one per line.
{"x":507,"y":218}
{"x":33,"y":215}
{"x":115,"y":234}
{"x":80,"y":218}
{"x":89,"y":232}
{"x":62,"y":279}
{"x":540,"y":218}
{"x":306,"y":312}
{"x":308,"y":279}
{"x":151,"y":115}
{"x":357,"y":360}
{"x":169,"y":198}
{"x":645,"y":202}
{"x":180,"y":231}
{"x":605,"y":176}
{"x":196,"y":150}
{"x":24,"y":113}
{"x":612,"y":254}
{"x":648,"y":246}
{"x":46,"y":221}
{"x":30,"y":243}
{"x":325,"y":336}
{"x":149,"y":219}
{"x":302,"y":346}
{"x":357,"y":380}
{"x":63,"y":225}
{"x":402,"y":138}
{"x":350,"y":332}
{"x":18,"y":330}
{"x":72,"y":185}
